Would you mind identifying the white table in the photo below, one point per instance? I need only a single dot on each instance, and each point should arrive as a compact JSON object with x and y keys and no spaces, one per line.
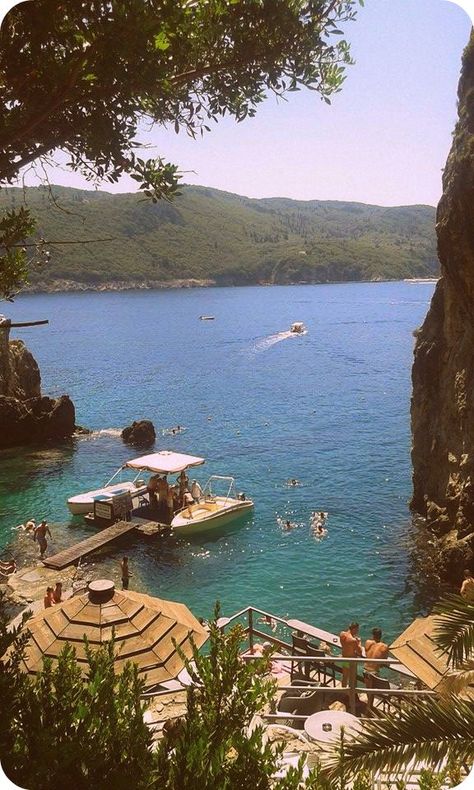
{"x":325,"y":726}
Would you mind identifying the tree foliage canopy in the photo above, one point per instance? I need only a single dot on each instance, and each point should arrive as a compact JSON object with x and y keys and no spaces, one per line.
{"x":86,"y":77}
{"x":82,"y":75}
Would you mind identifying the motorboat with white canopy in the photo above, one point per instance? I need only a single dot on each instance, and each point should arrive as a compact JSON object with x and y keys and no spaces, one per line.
{"x":164,"y":462}
{"x":199,"y":509}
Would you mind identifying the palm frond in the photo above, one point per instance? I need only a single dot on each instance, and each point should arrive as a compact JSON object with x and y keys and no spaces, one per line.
{"x":428,"y":731}
{"x":457,"y":682}
{"x":454,"y":631}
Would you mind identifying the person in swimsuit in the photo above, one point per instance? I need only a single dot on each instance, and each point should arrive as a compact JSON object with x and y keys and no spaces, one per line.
{"x":351,"y":648}
{"x":125,"y":573}
{"x":58,"y":592}
{"x":374,"y":648}
{"x":48,"y":599}
{"x":40,"y":536}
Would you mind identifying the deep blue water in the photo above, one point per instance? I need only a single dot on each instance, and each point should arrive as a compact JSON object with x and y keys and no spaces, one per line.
{"x":330,"y":408}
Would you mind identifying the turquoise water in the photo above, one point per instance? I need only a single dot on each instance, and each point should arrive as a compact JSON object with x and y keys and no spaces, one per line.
{"x":330,"y":408}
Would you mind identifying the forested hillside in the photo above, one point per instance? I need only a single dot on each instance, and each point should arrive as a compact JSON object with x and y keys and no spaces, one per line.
{"x":215,"y":236}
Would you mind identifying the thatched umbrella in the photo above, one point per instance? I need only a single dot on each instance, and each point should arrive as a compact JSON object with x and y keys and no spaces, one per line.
{"x":145,"y":630}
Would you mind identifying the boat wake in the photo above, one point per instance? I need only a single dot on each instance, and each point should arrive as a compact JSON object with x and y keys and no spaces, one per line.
{"x":271,"y":340}
{"x":115,"y":432}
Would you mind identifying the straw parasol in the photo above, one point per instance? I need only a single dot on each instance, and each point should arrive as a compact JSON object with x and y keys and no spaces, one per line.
{"x":145,"y":630}
{"x":419,"y":652}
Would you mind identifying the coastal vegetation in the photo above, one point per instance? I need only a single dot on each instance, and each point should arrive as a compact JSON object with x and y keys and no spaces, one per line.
{"x":85,"y":78}
{"x":212,"y":237}
{"x":61,"y":727}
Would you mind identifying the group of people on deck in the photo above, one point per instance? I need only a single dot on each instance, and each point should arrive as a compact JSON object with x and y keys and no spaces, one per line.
{"x":166,"y":499}
{"x":375,"y":648}
{"x":53,"y":595}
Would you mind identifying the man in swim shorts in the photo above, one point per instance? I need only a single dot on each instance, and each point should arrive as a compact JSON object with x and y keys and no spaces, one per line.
{"x":351,"y":648}
{"x":374,"y":648}
{"x":40,"y":536}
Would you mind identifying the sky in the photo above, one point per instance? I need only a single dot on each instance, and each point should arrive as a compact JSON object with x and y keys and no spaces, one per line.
{"x":383,"y":140}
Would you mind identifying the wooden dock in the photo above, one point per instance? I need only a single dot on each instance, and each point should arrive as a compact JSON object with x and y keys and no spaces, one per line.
{"x":87,"y":546}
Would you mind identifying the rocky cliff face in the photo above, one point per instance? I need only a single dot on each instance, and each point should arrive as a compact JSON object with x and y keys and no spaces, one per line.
{"x":25,"y":415}
{"x":443,"y":372}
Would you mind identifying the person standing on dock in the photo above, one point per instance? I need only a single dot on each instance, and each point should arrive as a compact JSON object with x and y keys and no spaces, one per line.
{"x":351,"y":648}
{"x":48,"y":599}
{"x":58,"y":592}
{"x":40,"y":536}
{"x":125,"y":573}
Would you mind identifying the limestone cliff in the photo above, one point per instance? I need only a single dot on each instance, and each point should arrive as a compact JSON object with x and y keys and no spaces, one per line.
{"x":26,"y":416}
{"x":442,"y":409}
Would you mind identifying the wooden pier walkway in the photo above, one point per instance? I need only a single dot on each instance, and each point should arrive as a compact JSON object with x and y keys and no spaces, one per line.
{"x":101,"y":538}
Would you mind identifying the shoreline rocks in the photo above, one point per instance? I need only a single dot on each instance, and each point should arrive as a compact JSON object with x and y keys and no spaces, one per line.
{"x":65,"y":286}
{"x":140,"y":433}
{"x":35,"y":420}
{"x":27,"y":416}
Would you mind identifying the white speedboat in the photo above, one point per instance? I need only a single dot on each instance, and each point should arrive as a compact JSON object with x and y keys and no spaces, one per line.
{"x":212,"y":510}
{"x":164,"y":462}
{"x":298,"y":328}
{"x":84,"y":503}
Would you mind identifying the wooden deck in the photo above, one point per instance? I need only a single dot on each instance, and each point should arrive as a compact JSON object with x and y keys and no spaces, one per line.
{"x":74,"y":553}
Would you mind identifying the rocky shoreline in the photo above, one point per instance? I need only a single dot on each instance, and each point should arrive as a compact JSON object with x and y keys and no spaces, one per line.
{"x":72,"y":286}
{"x":26,"y":415}
{"x":66,"y":286}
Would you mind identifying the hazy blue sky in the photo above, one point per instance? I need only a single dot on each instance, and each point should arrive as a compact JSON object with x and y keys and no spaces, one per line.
{"x":383,"y":140}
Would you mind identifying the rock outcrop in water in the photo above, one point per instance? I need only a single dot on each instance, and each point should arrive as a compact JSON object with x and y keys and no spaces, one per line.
{"x":442,"y":409}
{"x":27,"y":416}
{"x":140,"y":433}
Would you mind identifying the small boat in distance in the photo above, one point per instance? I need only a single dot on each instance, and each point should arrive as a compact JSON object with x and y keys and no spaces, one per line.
{"x":207,"y":317}
{"x":298,"y":328}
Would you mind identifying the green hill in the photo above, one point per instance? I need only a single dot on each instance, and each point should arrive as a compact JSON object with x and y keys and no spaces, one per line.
{"x":227,"y":239}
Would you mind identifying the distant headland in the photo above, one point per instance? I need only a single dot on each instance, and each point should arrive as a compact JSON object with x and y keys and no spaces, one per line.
{"x":207,"y":237}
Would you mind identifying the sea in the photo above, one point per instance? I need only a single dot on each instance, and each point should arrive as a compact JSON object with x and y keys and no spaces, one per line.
{"x":329,"y":409}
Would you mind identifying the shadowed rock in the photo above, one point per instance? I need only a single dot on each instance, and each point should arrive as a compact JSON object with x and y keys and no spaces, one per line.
{"x":442,"y":409}
{"x":27,"y":416}
{"x":140,"y":433}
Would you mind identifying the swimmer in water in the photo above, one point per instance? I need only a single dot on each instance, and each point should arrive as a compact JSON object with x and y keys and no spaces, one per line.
{"x":288,"y":525}
{"x":318,"y":520}
{"x":319,"y":531}
{"x":293,"y":482}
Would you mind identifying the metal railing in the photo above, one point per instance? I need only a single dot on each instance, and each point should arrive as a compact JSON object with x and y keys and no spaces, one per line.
{"x":252,"y":617}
